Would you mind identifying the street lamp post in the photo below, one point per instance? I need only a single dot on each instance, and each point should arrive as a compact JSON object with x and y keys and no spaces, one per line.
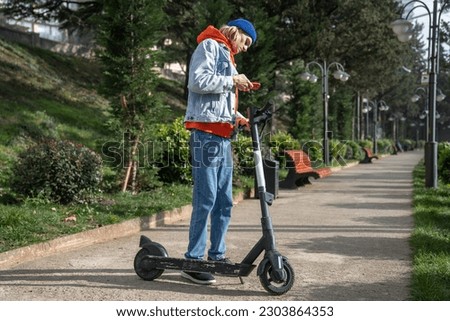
{"x":424,"y":115}
{"x":403,"y":29}
{"x":393,"y":118}
{"x":379,"y":106}
{"x":397,"y":120}
{"x":365,"y":110}
{"x":376,"y":106}
{"x":338,"y":74}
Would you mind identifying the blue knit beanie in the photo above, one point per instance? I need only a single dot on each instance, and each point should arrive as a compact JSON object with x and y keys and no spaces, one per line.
{"x":245,"y":26}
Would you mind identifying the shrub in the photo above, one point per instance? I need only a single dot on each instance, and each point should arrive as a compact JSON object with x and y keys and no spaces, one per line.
{"x":314,"y":149}
{"x":243,"y":155}
{"x":172,"y":144}
{"x":367,"y":143}
{"x":408,"y":144}
{"x":280,"y":142}
{"x":444,"y":162}
{"x":420,"y":144}
{"x":59,"y":171}
{"x":338,"y":151}
{"x":385,"y":146}
{"x":353,"y":150}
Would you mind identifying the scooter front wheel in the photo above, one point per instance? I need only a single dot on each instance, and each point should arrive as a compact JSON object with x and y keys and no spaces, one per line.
{"x":142,"y":268}
{"x":271,"y":285}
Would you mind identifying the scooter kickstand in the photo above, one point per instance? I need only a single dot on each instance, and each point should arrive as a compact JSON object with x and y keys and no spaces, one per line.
{"x":241,"y":279}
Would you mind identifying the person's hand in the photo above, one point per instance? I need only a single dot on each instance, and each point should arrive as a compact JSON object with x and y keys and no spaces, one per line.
{"x":242,"y":82}
{"x":243,"y":123}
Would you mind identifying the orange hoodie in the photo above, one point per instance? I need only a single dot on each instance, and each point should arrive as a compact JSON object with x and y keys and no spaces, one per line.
{"x":213,"y":33}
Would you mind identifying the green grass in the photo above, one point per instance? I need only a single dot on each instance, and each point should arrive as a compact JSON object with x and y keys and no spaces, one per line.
{"x":43,"y":94}
{"x":431,"y":240}
{"x":34,"y":220}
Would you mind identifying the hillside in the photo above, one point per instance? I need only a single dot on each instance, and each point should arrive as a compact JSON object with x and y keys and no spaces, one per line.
{"x":43,"y":94}
{"x":47,"y":94}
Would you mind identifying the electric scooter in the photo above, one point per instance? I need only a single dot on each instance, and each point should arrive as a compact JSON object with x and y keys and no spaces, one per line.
{"x":274,"y":271}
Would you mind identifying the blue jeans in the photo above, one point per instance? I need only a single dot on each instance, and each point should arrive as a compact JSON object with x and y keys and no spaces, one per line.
{"x":212,"y":171}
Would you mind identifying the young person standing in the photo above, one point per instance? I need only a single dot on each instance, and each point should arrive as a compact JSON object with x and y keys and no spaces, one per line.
{"x":211,"y":117}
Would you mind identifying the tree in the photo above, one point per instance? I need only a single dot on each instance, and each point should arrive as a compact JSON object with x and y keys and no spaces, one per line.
{"x":259,"y":63}
{"x":74,"y":15}
{"x":186,"y":19}
{"x":128,"y":32}
{"x":302,"y":108}
{"x":355,"y":33}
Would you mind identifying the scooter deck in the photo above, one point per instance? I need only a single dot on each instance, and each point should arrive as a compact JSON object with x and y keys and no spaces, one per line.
{"x":157,"y":262}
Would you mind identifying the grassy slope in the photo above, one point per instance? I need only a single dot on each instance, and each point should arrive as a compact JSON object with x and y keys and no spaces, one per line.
{"x":36,"y":82}
{"x":46,"y":94}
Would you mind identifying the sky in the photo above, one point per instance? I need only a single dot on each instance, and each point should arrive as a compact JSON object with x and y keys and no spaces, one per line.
{"x":424,"y":19}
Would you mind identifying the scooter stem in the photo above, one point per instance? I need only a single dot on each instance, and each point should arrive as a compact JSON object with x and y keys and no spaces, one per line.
{"x":268,"y":239}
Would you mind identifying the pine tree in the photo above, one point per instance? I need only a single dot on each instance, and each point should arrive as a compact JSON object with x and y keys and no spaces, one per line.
{"x":259,"y":62}
{"x":73,"y":15}
{"x":129,"y":30}
{"x":187,"y":19}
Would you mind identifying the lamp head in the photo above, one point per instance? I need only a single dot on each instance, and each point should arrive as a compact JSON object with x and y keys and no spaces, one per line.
{"x":313,"y":78}
{"x":384,"y":107}
{"x":345,"y":76}
{"x":405,"y":37}
{"x":401,"y":26}
{"x":305,"y":76}
{"x":341,"y":75}
{"x":415,"y":98}
{"x":403,"y":29}
{"x":440,"y":97}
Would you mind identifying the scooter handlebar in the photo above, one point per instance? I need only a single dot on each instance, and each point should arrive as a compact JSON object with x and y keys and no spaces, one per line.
{"x":261,"y":115}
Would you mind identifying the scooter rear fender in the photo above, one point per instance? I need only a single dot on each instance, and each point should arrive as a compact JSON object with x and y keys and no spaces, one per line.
{"x":153,"y":248}
{"x":144,"y":240}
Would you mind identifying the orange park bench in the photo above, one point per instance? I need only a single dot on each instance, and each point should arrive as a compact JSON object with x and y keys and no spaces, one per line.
{"x":368,"y":156}
{"x":300,"y":169}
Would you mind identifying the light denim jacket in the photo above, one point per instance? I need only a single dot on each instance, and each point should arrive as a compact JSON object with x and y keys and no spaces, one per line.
{"x":211,"y":91}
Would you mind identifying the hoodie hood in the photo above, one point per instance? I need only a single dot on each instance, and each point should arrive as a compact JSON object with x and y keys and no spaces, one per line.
{"x":213,"y":33}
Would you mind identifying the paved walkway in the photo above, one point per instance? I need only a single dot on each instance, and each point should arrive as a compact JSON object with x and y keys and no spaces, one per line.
{"x":345,"y":235}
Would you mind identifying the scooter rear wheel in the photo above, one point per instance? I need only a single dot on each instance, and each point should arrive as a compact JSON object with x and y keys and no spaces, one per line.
{"x":277,"y":287}
{"x":143,"y":269}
